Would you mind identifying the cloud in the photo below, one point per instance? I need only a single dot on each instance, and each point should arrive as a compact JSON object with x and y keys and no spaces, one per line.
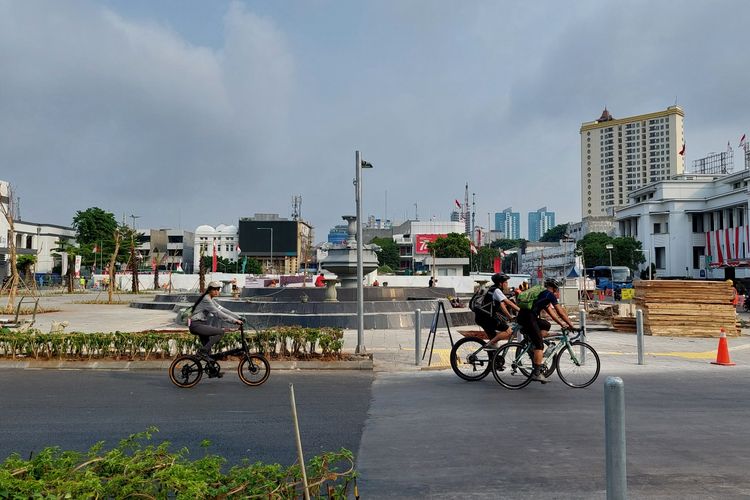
{"x":98,"y":109}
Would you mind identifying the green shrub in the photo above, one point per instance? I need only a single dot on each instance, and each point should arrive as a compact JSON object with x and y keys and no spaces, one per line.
{"x":138,"y":468}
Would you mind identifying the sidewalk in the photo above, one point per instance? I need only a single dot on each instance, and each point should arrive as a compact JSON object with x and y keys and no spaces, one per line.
{"x":394,"y":350}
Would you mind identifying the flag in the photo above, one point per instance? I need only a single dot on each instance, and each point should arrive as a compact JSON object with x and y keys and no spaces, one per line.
{"x":682,"y":151}
{"x":213,"y":260}
{"x":472,"y":247}
{"x":96,"y":249}
{"x":239,"y":250}
{"x":496,"y":265}
{"x":458,"y":204}
{"x":742,"y":140}
{"x":244,"y":263}
{"x":153,"y":263}
{"x":179,"y":267}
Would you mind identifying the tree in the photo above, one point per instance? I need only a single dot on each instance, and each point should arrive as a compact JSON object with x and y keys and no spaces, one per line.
{"x":223,"y":265}
{"x":454,"y":245}
{"x":9,"y":212}
{"x":94,"y":225}
{"x":388,"y":254}
{"x":555,"y":234}
{"x":25,"y":265}
{"x":253,"y":266}
{"x":484,"y":260}
{"x":625,"y":250}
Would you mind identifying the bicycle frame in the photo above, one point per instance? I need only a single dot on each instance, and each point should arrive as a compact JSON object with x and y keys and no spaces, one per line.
{"x":237,"y":350}
{"x":558,"y":343}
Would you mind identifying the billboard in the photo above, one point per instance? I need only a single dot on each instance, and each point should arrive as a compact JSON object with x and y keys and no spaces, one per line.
{"x":255,"y":237}
{"x":421,"y":241}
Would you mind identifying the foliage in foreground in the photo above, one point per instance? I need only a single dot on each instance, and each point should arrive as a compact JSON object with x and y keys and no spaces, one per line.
{"x":139,"y":469}
{"x":291,"y":341}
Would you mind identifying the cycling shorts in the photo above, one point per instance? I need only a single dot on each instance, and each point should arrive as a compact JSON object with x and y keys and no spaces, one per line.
{"x":532,"y":326}
{"x":490,"y":325}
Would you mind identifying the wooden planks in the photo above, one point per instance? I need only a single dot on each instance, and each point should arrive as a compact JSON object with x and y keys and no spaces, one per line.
{"x":686,"y":308}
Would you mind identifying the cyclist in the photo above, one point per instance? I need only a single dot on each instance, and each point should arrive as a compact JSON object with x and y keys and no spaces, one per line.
{"x":495,"y":324}
{"x":209,"y":318}
{"x":535,"y":328}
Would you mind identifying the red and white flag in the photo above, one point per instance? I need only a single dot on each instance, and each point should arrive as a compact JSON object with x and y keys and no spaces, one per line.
{"x":214,"y":262}
{"x":742,"y":140}
{"x":96,"y":249}
{"x":239,"y":250}
{"x":682,"y":151}
{"x":458,"y":204}
{"x":472,"y":248}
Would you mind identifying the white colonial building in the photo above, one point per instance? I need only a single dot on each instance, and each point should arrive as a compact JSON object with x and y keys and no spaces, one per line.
{"x":224,"y":238}
{"x":31,"y":239}
{"x":694,"y":225}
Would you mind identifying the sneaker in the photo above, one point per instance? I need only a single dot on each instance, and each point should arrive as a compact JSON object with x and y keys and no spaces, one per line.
{"x":539,"y":376}
{"x":492,"y":346}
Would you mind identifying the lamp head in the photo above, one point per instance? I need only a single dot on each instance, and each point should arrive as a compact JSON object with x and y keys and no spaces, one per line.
{"x":365,"y":164}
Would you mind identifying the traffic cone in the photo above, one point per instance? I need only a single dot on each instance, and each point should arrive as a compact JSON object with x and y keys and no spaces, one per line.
{"x":722,"y":354}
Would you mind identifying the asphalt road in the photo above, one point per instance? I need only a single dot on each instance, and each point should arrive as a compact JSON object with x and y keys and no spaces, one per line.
{"x":75,"y":409}
{"x":435,"y":436}
{"x":418,"y":435}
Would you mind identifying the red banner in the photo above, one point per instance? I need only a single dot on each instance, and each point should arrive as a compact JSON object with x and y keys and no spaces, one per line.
{"x":421,"y":241}
{"x":496,"y":265}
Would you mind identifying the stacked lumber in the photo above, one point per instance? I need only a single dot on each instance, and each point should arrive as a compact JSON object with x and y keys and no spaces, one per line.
{"x":686,"y":308}
{"x":623,"y":323}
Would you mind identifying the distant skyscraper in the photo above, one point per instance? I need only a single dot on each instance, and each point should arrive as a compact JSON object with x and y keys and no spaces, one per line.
{"x":455,"y":216}
{"x":509,"y":223}
{"x":338,"y":234}
{"x":540,"y":222}
{"x":621,"y":155}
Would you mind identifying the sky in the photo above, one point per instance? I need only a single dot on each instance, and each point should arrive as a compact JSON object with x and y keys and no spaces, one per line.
{"x":190,"y":112}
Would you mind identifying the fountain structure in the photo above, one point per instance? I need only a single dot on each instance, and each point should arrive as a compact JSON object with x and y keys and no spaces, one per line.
{"x":384,"y":307}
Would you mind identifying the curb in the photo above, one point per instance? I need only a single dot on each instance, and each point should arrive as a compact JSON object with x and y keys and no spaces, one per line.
{"x":364,"y":364}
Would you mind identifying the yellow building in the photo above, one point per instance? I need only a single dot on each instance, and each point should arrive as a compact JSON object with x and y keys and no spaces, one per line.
{"x":620,"y":155}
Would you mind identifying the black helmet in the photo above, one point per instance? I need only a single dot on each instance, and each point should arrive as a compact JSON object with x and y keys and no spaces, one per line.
{"x":498,"y":278}
{"x":551,"y":282}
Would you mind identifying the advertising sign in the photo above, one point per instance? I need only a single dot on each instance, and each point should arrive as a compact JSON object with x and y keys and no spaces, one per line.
{"x":421,"y":241}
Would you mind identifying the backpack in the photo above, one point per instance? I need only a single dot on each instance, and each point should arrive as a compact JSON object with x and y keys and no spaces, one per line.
{"x":481,"y":302}
{"x":526,"y":299}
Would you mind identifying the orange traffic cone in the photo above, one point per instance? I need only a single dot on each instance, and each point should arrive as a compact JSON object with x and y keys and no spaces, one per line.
{"x":722,"y":355}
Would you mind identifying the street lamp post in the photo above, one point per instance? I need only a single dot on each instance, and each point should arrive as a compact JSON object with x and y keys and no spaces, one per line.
{"x":359,"y":165}
{"x":270,"y":229}
{"x":609,"y":247}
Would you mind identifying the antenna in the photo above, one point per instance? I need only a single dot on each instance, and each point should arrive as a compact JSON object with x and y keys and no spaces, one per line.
{"x":416,"y":212}
{"x":134,"y":217}
{"x":297,"y":207}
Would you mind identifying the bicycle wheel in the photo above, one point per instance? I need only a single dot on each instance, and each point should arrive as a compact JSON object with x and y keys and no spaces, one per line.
{"x":469,"y":360}
{"x":185,"y":371}
{"x":572,"y":370}
{"x":512,"y":366}
{"x":254,"y":369}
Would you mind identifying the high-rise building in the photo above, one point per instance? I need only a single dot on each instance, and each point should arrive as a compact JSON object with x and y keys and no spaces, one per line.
{"x":620,"y":155}
{"x":509,"y":223}
{"x":540,"y":222}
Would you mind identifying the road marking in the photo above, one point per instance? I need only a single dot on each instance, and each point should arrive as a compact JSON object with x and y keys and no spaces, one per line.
{"x":681,"y":354}
{"x":440,"y":357}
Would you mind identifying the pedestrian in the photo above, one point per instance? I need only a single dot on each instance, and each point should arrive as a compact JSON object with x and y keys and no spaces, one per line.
{"x":431,"y":282}
{"x":320,"y":280}
{"x":375,"y":283}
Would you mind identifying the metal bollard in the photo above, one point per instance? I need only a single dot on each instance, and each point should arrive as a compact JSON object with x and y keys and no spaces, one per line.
{"x":417,"y":336}
{"x":582,"y":314}
{"x":614,"y":430}
{"x":639,"y":334}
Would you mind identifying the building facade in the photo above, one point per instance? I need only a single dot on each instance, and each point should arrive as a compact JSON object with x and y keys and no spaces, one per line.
{"x":508,"y":222}
{"x":600,"y":224}
{"x":619,"y":156}
{"x":412,"y":239}
{"x":540,"y":222}
{"x":223,"y":237}
{"x":283,"y":246}
{"x":694,"y":225}
{"x":31,"y":238}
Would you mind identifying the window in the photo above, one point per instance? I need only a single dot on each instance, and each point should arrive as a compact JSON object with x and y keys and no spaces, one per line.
{"x":698,"y":252}
{"x":660,"y":257}
{"x":697,"y":223}
{"x":657,"y":227}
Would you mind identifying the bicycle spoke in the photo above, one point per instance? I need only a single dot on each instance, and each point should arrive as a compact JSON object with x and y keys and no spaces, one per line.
{"x":572,"y":368}
{"x":469,"y":360}
{"x":512,"y":366}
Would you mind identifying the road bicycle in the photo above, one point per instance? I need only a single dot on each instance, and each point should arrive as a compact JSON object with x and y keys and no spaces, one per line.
{"x":188,"y":369}
{"x":576,"y":362}
{"x":470,"y":360}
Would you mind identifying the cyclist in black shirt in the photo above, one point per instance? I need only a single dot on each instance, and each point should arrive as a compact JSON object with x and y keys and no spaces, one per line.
{"x":536,"y":328}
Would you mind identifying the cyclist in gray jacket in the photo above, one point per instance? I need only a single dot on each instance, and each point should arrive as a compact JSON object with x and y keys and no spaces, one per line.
{"x":209,"y":318}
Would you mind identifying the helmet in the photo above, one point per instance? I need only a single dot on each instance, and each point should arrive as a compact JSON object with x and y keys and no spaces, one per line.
{"x":551,"y":282}
{"x":498,"y":278}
